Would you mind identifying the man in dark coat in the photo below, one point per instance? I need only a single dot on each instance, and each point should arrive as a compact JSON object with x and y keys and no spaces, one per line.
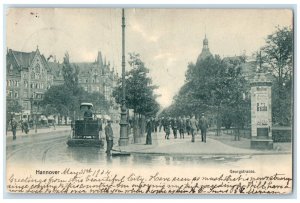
{"x":203,"y":125}
{"x":88,"y":114}
{"x":14,"y":125}
{"x":109,"y":137}
{"x":149,"y":129}
{"x":188,"y":125}
{"x":167,"y":124}
{"x":174,"y":127}
{"x":181,"y":127}
{"x":193,"y":124}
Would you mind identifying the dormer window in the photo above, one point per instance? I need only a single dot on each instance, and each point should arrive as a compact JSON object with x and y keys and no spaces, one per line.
{"x":11,"y":68}
{"x":37,"y":68}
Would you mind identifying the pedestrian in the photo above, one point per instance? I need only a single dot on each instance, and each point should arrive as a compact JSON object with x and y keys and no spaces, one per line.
{"x":53,"y":123}
{"x":193,"y":127}
{"x":149,"y":129}
{"x":14,"y":125}
{"x":26,"y":126}
{"x":22,"y":125}
{"x":188,"y":125}
{"x":184,"y":124}
{"x":174,"y":127}
{"x":167,"y":127}
{"x":109,"y":134}
{"x":203,"y":125}
{"x":153,"y":124}
{"x":181,"y":127}
{"x":159,"y":124}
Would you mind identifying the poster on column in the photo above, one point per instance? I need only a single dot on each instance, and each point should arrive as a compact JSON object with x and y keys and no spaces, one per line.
{"x":179,"y":72}
{"x":262,"y":106}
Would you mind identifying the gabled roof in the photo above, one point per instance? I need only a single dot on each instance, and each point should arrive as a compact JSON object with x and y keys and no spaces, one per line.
{"x":11,"y":61}
{"x":24,"y":59}
{"x":56,"y":69}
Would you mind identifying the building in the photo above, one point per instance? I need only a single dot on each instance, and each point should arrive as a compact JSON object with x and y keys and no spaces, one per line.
{"x":98,"y":76}
{"x":29,"y":75}
{"x":28,"y":78}
{"x":205,"y":51}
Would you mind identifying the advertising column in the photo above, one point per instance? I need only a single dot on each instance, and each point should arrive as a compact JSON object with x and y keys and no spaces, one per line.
{"x":261,"y":114}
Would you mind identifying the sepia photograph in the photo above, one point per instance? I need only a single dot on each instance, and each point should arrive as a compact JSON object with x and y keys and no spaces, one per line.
{"x":150,"y":101}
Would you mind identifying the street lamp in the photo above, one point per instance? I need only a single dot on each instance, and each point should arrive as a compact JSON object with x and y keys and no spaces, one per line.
{"x":34,"y":117}
{"x":123,"y":122}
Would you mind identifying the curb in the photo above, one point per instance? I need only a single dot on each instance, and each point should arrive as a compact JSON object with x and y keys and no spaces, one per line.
{"x":39,"y":133}
{"x":206,"y":154}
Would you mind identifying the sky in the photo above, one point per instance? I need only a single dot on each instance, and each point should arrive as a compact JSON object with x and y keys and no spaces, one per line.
{"x":166,"y":39}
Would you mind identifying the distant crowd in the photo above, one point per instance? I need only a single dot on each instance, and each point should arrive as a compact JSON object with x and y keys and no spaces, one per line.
{"x":179,"y":126}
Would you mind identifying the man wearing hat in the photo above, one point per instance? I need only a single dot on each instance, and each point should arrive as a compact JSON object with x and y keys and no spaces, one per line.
{"x":203,"y":124}
{"x":109,"y":137}
{"x":149,"y":128}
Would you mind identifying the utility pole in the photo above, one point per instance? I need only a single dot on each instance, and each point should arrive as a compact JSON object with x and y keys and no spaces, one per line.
{"x":123,"y":141}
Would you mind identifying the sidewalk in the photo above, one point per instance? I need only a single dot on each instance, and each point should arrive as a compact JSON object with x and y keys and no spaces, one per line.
{"x":39,"y":131}
{"x":160,"y":146}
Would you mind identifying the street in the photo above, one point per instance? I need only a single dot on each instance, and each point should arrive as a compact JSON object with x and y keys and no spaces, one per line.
{"x":51,"y":148}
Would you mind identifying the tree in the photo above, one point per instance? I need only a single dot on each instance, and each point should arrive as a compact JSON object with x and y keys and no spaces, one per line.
{"x":59,"y":100}
{"x":98,"y":100}
{"x":139,"y":94}
{"x":70,"y":74}
{"x":212,"y":85}
{"x":139,"y":89}
{"x":12,"y":107}
{"x":277,"y":55}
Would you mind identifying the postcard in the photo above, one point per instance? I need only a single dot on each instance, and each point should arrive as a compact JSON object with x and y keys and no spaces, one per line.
{"x":149,"y":101}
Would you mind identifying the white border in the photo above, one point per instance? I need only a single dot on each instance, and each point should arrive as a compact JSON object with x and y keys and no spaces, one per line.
{"x":136,"y":3}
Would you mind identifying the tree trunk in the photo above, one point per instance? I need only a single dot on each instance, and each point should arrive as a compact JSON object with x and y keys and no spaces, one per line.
{"x":136,"y":136}
{"x":142,"y":125}
{"x":218,"y":121}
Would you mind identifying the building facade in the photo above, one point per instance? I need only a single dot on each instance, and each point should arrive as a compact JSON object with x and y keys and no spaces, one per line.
{"x":29,"y":75}
{"x":28,"y":78}
{"x":98,"y":76}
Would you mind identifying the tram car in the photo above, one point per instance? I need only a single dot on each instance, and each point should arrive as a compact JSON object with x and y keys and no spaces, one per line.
{"x":86,"y":131}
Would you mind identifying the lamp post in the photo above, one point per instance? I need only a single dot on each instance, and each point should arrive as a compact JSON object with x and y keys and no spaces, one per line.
{"x":123,"y":141}
{"x":33,"y":117}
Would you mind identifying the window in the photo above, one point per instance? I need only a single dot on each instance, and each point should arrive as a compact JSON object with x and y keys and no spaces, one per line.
{"x":25,"y":105}
{"x":11,"y":69}
{"x":86,"y":81}
{"x":37,"y":68}
{"x":25,"y":83}
{"x":7,"y":83}
{"x":25,"y":94}
{"x":10,"y":94}
{"x":16,"y":95}
{"x":32,"y":75}
{"x":36,"y":85}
